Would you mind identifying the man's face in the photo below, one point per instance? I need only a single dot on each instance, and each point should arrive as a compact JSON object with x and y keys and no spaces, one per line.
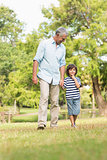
{"x":60,"y":39}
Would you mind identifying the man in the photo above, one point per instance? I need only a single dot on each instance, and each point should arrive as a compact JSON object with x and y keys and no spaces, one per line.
{"x":50,"y":57}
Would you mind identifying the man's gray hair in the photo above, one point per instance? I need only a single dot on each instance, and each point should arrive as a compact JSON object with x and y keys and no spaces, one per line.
{"x":61,"y":31}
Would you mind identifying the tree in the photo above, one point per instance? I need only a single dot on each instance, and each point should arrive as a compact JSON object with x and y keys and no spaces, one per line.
{"x":10,"y":27}
{"x":20,"y":87}
{"x":87,"y":17}
{"x":16,"y":62}
{"x":8,"y":56}
{"x":2,"y":85}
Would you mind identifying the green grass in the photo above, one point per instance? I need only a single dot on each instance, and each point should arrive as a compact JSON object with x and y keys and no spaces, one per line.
{"x":30,"y":118}
{"x":85,"y":113}
{"x":22,"y":141}
{"x":28,"y":110}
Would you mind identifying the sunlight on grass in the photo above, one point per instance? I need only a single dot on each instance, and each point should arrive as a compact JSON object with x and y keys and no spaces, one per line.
{"x":23,"y":141}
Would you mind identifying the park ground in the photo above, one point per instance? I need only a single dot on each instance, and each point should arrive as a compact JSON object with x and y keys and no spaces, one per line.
{"x":22,"y":141}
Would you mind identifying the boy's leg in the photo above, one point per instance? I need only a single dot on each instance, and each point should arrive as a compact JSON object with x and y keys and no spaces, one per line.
{"x":76,"y":108}
{"x":42,"y":113}
{"x":75,"y":117}
{"x":54,"y":110}
{"x":72,"y":120}
{"x":70,"y":110}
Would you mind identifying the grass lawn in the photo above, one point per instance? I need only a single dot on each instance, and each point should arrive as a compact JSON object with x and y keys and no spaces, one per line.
{"x":28,"y":110}
{"x":30,"y":118}
{"x":22,"y":141}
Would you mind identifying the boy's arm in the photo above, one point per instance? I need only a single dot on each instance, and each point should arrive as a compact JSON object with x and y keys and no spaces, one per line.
{"x":76,"y":82}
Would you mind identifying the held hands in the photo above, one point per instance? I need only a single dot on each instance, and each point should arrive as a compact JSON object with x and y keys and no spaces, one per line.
{"x":61,"y":83}
{"x":35,"y":79}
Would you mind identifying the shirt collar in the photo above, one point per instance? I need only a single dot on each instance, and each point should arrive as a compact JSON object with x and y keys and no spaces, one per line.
{"x":53,"y":41}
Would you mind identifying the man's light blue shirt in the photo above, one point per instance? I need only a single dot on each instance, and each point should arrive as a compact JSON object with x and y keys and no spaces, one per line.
{"x":50,"y":59}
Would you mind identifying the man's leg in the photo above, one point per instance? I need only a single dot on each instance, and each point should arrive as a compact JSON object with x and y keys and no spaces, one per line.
{"x":42,"y":113}
{"x":54,"y":110}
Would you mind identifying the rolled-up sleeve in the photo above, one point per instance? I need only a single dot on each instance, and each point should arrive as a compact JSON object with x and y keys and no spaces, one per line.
{"x":40,"y":52}
{"x":62,"y":61}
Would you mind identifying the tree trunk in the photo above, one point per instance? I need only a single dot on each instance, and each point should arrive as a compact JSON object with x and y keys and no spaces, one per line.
{"x":102,"y":105}
{"x":93,"y":106}
{"x":15,"y":107}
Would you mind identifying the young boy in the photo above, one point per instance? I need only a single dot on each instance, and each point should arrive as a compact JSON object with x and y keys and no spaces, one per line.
{"x":72,"y":85}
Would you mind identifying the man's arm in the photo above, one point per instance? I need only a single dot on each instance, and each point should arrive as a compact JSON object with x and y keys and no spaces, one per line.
{"x":35,"y":66}
{"x":62,"y":72}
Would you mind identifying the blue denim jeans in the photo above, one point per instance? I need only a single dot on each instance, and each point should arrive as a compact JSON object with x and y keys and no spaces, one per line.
{"x":73,"y":106}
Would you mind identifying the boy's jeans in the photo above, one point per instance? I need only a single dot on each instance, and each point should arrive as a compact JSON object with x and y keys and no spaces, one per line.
{"x":46,"y":91}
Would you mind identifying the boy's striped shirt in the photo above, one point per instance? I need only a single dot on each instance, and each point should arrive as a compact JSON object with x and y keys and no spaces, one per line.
{"x":72,"y":92}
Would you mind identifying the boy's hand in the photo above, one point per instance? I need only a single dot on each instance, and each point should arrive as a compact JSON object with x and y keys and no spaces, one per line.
{"x":73,"y":77}
{"x":63,"y":87}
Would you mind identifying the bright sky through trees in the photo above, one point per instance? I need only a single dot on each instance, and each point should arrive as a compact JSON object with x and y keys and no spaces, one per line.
{"x":29,"y":11}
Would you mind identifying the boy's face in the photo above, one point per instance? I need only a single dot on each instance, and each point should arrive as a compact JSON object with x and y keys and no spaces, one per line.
{"x":72,"y":72}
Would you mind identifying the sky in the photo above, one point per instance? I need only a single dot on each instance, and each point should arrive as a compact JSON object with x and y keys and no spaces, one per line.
{"x":29,"y":11}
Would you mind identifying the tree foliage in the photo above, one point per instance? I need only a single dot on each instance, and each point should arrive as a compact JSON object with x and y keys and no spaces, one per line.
{"x":86,"y":22}
{"x":10,"y":26}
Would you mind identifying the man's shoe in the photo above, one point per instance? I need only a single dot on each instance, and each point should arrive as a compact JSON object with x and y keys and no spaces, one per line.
{"x":44,"y":125}
{"x":40,"y":128}
{"x":54,"y":126}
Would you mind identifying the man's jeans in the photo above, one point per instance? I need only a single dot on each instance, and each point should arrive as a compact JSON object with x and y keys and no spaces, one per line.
{"x":46,"y":91}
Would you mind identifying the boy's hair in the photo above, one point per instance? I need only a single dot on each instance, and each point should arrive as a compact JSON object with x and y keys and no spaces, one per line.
{"x":71,"y":66}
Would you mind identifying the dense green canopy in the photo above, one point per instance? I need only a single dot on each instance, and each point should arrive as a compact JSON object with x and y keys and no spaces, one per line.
{"x":86,"y":22}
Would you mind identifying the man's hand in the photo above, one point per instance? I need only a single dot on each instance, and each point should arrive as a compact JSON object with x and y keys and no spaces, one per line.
{"x":61,"y":83}
{"x":35,"y":79}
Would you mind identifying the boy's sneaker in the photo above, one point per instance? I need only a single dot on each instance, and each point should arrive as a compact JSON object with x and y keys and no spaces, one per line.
{"x":74,"y":126}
